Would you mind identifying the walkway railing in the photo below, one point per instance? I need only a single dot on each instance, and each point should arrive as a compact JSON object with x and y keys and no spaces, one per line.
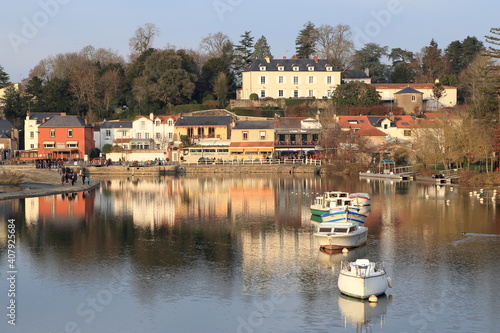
{"x":306,"y":161}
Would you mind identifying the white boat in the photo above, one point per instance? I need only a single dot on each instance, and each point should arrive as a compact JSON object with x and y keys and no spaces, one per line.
{"x":321,"y":204}
{"x":347,"y":214}
{"x":360,"y":199}
{"x":339,"y":235}
{"x":363,"y":278}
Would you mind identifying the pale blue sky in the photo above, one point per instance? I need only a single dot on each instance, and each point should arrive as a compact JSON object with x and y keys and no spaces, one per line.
{"x":31,"y":30}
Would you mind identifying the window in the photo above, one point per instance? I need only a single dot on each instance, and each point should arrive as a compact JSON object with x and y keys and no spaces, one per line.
{"x":296,"y":93}
{"x":328,"y":80}
{"x":310,"y":68}
{"x":311,"y":93}
{"x":72,"y":144}
{"x":280,"y":79}
{"x":157,"y":123}
{"x":139,"y":135}
{"x":262,"y":80}
{"x":146,"y":135}
{"x":386,"y":126}
{"x":311,"y":79}
{"x":295,"y":68}
{"x":170,"y":135}
{"x":413,"y":98}
{"x":49,"y":144}
{"x":262,"y":93}
{"x":52,"y":133}
{"x":281,"y":68}
{"x":170,"y":122}
{"x":245,"y":135}
{"x":281,"y":93}
{"x":407,"y":132}
{"x":108,"y":133}
{"x":262,"y":68}
{"x":32,"y":146}
{"x":143,"y":125}
{"x":328,"y":68}
{"x":32,"y":135}
{"x":328,"y":93}
{"x":158,"y":136}
{"x":295,"y":80}
{"x":262,"y":135}
{"x":124,"y":134}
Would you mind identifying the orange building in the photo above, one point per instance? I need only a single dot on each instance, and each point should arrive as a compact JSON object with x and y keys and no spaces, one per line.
{"x":67,"y":137}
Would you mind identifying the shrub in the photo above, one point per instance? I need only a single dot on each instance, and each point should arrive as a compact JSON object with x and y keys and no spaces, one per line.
{"x":254,"y":97}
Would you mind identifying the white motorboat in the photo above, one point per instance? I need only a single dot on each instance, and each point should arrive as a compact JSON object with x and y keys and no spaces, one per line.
{"x":339,"y":235}
{"x":322,"y":204}
{"x":345,"y":214}
{"x":360,"y":199}
{"x":363,"y":278}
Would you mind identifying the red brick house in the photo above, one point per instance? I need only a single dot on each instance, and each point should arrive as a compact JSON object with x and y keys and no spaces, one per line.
{"x":67,"y":137}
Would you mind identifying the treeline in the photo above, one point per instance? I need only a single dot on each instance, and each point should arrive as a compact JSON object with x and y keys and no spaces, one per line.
{"x":100,"y":83}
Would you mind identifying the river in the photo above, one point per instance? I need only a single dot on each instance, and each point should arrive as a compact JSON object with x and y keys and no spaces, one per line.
{"x":236,"y":254}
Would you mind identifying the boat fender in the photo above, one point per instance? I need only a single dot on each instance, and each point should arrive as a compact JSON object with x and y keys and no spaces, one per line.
{"x":389,"y":282}
{"x":373,"y":299}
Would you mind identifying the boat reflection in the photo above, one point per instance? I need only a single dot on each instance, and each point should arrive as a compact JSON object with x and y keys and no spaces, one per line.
{"x":332,"y":258}
{"x":362,"y":314}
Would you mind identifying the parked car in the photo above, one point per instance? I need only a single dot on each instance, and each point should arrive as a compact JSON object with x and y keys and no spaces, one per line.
{"x":205,"y":160}
{"x":98,"y":161}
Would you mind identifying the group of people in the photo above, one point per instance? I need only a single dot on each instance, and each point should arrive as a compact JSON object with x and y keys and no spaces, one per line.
{"x":68,"y":175}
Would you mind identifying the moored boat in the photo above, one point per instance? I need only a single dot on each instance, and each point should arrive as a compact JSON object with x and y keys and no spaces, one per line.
{"x":339,"y":235}
{"x":363,"y":278}
{"x":322,"y":203}
{"x":360,"y":199}
{"x":348,"y":214}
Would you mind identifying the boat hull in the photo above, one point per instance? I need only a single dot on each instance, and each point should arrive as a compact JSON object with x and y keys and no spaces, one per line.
{"x":362,"y":281}
{"x":332,"y":241}
{"x":344,"y":216}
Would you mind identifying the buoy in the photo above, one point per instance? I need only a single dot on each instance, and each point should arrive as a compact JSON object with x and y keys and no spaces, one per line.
{"x":345,"y":250}
{"x":470,"y":194}
{"x":451,"y":188}
{"x":481,"y":190}
{"x":373,"y":299}
{"x":389,"y":282}
{"x":448,"y":201}
{"x":427,"y":196}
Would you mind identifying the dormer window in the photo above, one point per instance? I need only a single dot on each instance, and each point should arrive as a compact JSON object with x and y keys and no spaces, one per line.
{"x":281,"y":68}
{"x":329,"y":68}
{"x":262,"y":68}
{"x":295,"y":68}
{"x":310,"y":68}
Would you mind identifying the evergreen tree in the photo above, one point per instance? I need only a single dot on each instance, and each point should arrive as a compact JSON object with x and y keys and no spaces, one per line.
{"x":306,"y":41}
{"x":493,"y":51}
{"x":244,"y":49}
{"x":261,"y":49}
{"x":4,"y":78}
{"x":461,"y":54}
{"x":369,"y":57}
{"x":401,"y":69}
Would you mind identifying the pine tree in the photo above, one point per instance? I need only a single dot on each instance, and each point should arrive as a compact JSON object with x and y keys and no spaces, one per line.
{"x":306,"y":41}
{"x":261,"y":49}
{"x":4,"y":78}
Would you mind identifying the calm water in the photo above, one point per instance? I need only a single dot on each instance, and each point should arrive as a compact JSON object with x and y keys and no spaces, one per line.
{"x":237,"y":255}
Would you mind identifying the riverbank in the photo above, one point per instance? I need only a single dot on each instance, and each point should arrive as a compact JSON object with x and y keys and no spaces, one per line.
{"x":40,"y":182}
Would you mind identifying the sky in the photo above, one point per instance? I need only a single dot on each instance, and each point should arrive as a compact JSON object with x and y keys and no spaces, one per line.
{"x":32,"y":30}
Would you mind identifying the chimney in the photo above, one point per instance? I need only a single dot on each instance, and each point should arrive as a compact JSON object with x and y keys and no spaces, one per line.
{"x":295,"y":57}
{"x":151,"y":116}
{"x":284,"y":57}
{"x":268,"y":60}
{"x":367,"y":71}
{"x":315,"y":58}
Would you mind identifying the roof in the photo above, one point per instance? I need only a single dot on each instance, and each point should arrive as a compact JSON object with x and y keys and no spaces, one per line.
{"x":6,"y":125}
{"x":116,"y":124}
{"x":408,"y":90}
{"x":399,"y":86}
{"x":289,"y":122}
{"x":254,"y":124}
{"x":203,"y":121}
{"x":355,"y":74}
{"x":369,"y":130}
{"x":319,"y":65}
{"x":65,"y":121}
{"x":38,"y":116}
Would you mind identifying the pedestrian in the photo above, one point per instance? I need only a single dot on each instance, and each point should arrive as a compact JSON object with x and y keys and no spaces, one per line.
{"x":88,"y":180}
{"x":63,"y":179}
{"x":83,"y":178}
{"x":73,"y":179}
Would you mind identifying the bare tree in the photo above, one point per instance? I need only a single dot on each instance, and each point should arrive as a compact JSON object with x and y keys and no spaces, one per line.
{"x":220,"y":88}
{"x":335,"y":44}
{"x":216,"y":45}
{"x":143,"y":39}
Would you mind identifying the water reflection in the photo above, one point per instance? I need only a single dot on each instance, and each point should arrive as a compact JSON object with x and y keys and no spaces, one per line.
{"x":362,"y":314}
{"x":226,"y":248}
